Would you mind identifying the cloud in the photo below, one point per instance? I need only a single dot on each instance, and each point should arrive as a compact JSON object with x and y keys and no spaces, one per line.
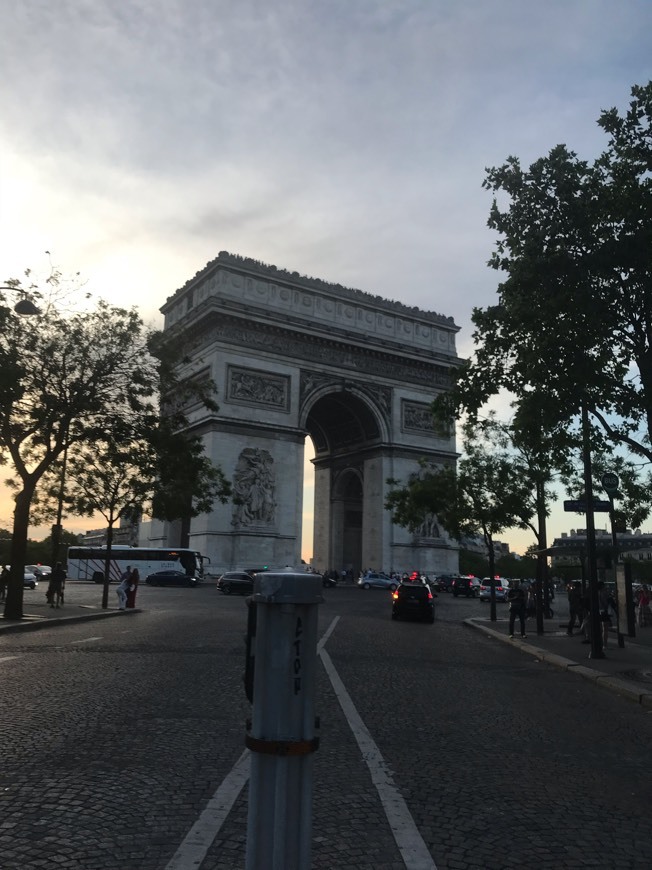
{"x":344,"y":141}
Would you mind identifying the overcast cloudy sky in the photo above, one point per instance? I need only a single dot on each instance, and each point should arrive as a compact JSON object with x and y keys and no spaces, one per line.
{"x":343,"y":139}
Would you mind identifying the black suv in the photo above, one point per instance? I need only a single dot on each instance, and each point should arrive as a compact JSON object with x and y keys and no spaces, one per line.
{"x":414,"y":600}
{"x":467,"y":586}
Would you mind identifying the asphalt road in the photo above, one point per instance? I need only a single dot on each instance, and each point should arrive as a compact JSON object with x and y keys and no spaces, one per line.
{"x":117,"y":734}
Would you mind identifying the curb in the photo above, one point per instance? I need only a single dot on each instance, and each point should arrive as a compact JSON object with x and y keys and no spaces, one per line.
{"x":624,"y":688}
{"x":34,"y":623}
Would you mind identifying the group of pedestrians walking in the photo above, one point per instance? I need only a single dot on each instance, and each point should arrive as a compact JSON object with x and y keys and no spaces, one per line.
{"x":127,"y":588}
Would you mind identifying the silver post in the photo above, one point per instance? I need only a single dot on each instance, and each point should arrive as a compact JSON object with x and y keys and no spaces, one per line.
{"x":282,"y":737}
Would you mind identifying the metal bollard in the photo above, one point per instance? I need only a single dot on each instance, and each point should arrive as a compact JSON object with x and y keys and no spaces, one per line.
{"x":282,"y":734}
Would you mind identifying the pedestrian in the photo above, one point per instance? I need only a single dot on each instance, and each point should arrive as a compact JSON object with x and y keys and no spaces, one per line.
{"x":574,"y":606}
{"x":56,"y":586}
{"x":531,"y":601}
{"x":134,"y":579}
{"x":122,"y":591}
{"x":586,"y":615}
{"x":126,"y":574}
{"x":516,"y":599}
{"x":4,"y":582}
{"x":644,"y":614}
{"x":605,"y":603}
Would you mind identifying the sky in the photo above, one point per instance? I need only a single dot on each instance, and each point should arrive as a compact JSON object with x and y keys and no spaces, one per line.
{"x":343,"y":139}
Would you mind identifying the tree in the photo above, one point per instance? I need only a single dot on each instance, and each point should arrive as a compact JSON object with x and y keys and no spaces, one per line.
{"x":61,"y":374}
{"x":573,"y":322}
{"x":488,"y":494}
{"x":139,"y":465}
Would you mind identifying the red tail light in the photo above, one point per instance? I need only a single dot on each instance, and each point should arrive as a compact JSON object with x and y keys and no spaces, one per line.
{"x":395,"y":595}
{"x":429,"y":594}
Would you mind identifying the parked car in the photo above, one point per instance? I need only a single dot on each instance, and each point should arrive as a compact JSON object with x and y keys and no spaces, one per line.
{"x":413,"y":600}
{"x":29,"y":580}
{"x":469,"y":587}
{"x":501,"y":585}
{"x":171,"y":578}
{"x":239,"y":582}
{"x":41,"y":572}
{"x":373,"y":580}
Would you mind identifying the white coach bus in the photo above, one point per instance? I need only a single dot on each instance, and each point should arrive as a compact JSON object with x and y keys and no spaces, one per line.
{"x":87,"y":563}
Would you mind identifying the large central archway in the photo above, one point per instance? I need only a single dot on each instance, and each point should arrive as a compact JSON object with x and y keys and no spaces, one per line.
{"x":294,"y":357}
{"x":345,"y":430}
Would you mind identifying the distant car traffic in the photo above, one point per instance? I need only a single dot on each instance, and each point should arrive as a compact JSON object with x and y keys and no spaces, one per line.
{"x":413,"y":600}
{"x":373,"y":580}
{"x":501,"y":585}
{"x":239,"y":582}
{"x":171,"y":578}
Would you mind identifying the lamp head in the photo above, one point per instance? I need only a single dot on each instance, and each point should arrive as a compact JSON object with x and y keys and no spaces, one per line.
{"x":26,"y":306}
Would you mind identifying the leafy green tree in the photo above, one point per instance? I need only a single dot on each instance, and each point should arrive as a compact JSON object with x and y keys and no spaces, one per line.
{"x":61,"y":373}
{"x":573,"y":320}
{"x":487,"y":494}
{"x":139,"y":466}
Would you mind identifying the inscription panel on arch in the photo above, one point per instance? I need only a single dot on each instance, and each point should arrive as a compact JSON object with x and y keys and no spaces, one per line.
{"x":416,"y":417}
{"x":254,"y":387}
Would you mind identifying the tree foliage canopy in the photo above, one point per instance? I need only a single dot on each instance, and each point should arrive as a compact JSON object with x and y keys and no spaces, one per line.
{"x":573,"y":319}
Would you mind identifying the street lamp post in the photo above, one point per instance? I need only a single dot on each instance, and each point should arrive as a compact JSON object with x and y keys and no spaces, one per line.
{"x":596,"y":628}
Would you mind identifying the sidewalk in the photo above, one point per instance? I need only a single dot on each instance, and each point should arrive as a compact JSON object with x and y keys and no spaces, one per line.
{"x":37,"y":615}
{"x":627,"y":671}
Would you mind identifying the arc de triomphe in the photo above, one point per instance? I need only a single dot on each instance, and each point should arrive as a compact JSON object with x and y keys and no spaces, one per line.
{"x":293,"y":357}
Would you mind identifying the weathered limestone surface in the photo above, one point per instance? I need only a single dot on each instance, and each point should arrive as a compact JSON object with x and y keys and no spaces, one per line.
{"x":293,"y":356}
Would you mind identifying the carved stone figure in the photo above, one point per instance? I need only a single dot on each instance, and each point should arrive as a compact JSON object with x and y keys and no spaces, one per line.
{"x":254,"y":484}
{"x":429,"y":528}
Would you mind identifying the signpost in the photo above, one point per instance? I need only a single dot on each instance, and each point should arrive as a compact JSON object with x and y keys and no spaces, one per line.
{"x":579,"y":506}
{"x":610,"y":482}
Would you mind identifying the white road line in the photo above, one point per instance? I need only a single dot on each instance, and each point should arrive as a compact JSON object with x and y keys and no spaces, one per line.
{"x":8,"y":658}
{"x":327,"y":634}
{"x":198,"y":840}
{"x":413,"y":850}
{"x":86,"y":640}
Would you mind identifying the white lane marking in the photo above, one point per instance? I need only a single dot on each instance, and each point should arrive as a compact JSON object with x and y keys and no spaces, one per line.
{"x":414,"y":851}
{"x":327,"y":634}
{"x":86,"y":640}
{"x":200,"y":837}
{"x":8,"y":658}
{"x":197,"y":842}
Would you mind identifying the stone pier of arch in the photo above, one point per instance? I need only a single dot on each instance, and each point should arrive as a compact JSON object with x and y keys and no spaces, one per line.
{"x":294,"y":357}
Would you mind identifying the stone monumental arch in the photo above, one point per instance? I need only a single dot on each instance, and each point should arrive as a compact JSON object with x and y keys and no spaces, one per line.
{"x":293,"y":357}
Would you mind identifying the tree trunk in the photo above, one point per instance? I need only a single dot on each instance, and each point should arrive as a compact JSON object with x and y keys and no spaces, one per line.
{"x":492,"y":573}
{"x":107,"y":564}
{"x":14,"y":601}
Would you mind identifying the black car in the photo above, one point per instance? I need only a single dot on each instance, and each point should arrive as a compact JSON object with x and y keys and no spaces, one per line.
{"x":467,"y":586}
{"x":445,"y":582}
{"x":413,"y":600}
{"x":239,"y":582}
{"x":171,"y":578}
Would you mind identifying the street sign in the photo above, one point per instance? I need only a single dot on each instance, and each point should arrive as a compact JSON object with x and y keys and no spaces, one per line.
{"x":579,"y":507}
{"x":610,"y":481}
